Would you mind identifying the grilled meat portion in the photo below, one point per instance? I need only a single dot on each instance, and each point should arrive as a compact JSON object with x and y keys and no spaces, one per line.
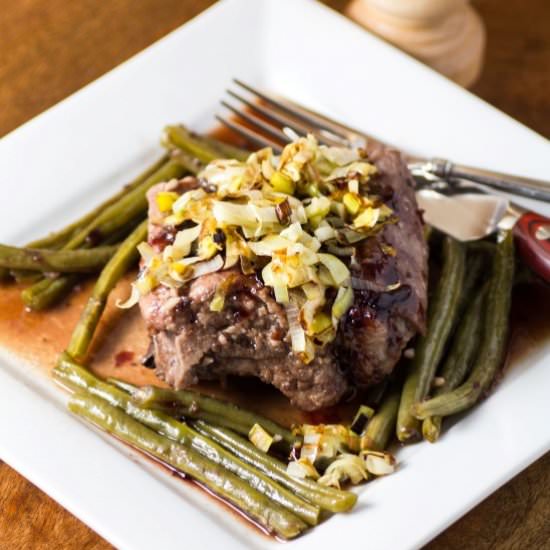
{"x":390,"y":288}
{"x":249,"y":337}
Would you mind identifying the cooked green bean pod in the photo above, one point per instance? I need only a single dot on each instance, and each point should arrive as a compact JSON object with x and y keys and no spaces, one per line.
{"x":47,"y":292}
{"x":493,"y":343}
{"x":124,"y":257}
{"x":58,"y":261}
{"x":76,"y":377}
{"x":458,"y":361}
{"x":213,"y":476}
{"x":464,"y":346}
{"x":431,"y":428}
{"x":197,"y":146}
{"x":381,"y":426}
{"x":327,"y":498}
{"x":430,"y":347}
{"x":179,"y":410}
{"x":121,"y":384}
{"x":476,"y":264}
{"x":226,"y":150}
{"x":24,"y":276}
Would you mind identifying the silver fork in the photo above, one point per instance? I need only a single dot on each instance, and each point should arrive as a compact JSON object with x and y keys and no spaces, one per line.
{"x":268,"y":120}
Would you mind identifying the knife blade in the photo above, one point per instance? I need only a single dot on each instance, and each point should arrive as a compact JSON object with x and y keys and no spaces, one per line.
{"x":466,"y":216}
{"x":472,"y":216}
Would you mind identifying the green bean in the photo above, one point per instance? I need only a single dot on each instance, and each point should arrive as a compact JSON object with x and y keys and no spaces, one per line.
{"x":28,"y":277}
{"x":493,"y":343}
{"x":180,"y":137}
{"x":76,"y":377}
{"x":47,"y":292}
{"x":464,"y":346}
{"x":458,"y":361}
{"x":431,"y":428}
{"x":476,"y":264}
{"x":213,"y":476}
{"x":327,"y":498}
{"x":381,"y":426}
{"x":121,"y":384}
{"x":61,"y":261}
{"x":430,"y":347}
{"x":177,"y":409}
{"x":194,"y":405}
{"x":124,"y":257}
{"x":226,"y":150}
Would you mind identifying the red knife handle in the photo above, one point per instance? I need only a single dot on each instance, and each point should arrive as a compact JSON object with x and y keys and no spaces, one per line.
{"x":532,"y":233}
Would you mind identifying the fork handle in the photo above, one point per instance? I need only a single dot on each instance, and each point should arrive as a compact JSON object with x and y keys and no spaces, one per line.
{"x":517,"y":185}
{"x":532,"y":236}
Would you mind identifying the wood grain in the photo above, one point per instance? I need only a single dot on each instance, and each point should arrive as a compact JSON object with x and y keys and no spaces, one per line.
{"x":29,"y":519}
{"x":50,"y":49}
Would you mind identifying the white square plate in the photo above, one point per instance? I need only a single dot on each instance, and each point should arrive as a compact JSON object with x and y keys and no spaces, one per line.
{"x":76,"y":153}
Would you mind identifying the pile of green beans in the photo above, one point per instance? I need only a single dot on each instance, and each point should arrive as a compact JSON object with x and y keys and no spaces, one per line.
{"x":66,"y":251}
{"x":115,"y":216}
{"x":492,"y":345}
{"x":429,"y":350}
{"x":261,"y":480}
{"x":58,"y":239}
{"x":215,"y":456}
{"x":229,"y":486}
{"x":475,"y":336}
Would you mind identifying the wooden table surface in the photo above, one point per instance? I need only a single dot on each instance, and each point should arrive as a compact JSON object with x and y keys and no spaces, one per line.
{"x":51,"y":49}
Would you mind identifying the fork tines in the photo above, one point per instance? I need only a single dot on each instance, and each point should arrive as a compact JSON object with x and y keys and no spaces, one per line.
{"x":267,"y":121}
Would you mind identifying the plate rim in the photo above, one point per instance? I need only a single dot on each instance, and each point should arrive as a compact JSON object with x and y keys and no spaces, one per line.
{"x":13,"y":381}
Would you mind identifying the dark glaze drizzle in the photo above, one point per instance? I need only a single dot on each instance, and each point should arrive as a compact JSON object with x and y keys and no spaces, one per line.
{"x":123,"y":357}
{"x":369,"y":305}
